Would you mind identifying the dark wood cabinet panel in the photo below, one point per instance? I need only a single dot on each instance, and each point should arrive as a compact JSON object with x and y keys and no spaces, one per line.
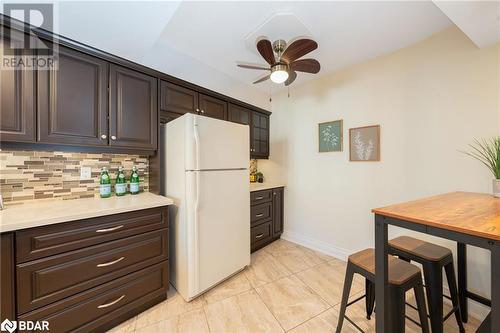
{"x":259,"y":135}
{"x":260,"y":235}
{"x":17,"y":99}
{"x":278,"y":211}
{"x":133,"y":114}
{"x":260,"y":196}
{"x":93,"y":310}
{"x":72,"y":100}
{"x":7,"y":291}
{"x":239,"y":114}
{"x":261,"y":212}
{"x":212,"y":107}
{"x":177,"y":99}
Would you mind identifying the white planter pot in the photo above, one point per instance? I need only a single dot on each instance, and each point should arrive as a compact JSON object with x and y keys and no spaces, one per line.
{"x":496,"y":188}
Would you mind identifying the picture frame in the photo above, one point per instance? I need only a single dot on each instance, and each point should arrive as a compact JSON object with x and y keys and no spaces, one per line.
{"x":364,"y":144}
{"x":331,"y":136}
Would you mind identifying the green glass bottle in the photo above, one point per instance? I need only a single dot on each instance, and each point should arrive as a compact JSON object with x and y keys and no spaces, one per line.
{"x":121,"y":183}
{"x":104,"y":184}
{"x":134,"y":181}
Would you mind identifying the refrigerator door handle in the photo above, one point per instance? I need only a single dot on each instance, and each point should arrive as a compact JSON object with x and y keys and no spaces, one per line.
{"x":197,"y":233}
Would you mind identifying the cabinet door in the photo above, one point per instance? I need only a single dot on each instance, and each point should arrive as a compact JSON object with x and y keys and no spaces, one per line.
{"x":7,"y":277}
{"x":72,"y":100}
{"x":239,"y":114}
{"x":212,"y":107}
{"x":177,"y":99}
{"x":133,"y":116}
{"x":17,"y":98}
{"x":277,"y":211}
{"x":259,"y":135}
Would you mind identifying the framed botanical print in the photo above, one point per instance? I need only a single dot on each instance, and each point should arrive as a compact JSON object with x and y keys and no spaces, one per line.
{"x":364,"y":143}
{"x":330,"y":136}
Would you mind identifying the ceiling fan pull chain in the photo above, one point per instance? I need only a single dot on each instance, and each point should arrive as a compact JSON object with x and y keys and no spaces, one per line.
{"x":288,"y":91}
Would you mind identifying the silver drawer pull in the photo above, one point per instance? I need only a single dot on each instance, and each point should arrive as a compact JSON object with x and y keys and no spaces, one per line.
{"x":259,"y":198}
{"x":102,"y":306}
{"x":110,"y":229}
{"x":110,"y":263}
{"x":259,"y":235}
{"x":259,"y":215}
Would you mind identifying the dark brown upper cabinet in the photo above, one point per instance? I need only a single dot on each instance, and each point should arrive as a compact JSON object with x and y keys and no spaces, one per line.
{"x":259,"y":135}
{"x":239,"y":114}
{"x":177,"y":99}
{"x":133,"y":111}
{"x":212,"y":107}
{"x":278,"y":211}
{"x":17,"y":99}
{"x":72,"y":100}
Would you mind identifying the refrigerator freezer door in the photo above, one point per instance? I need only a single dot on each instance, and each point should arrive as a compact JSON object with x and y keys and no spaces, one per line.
{"x":220,"y":224}
{"x":213,"y":144}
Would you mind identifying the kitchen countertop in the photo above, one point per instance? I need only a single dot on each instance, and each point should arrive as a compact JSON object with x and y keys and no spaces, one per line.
{"x":36,"y":214}
{"x":264,"y":186}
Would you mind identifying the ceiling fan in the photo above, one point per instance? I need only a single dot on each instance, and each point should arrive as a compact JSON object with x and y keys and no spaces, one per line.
{"x":283,"y":59}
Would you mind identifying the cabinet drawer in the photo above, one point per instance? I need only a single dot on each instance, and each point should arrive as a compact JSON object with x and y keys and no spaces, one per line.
{"x":260,"y":212}
{"x":90,"y":310}
{"x":50,"y":279}
{"x":260,"y":196}
{"x":260,"y":234}
{"x":49,"y":240}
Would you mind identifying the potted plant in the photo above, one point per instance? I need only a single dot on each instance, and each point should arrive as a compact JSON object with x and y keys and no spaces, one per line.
{"x":487,"y":151}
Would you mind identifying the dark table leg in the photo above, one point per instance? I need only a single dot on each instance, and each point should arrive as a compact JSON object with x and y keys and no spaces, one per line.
{"x":462,"y":280}
{"x":381,"y":275}
{"x":495,"y":289}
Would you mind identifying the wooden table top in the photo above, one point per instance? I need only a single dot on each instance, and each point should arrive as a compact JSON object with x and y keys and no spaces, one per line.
{"x":474,"y":214}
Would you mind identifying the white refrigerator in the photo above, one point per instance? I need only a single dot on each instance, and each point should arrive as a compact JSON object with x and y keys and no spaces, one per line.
{"x":206,"y":165}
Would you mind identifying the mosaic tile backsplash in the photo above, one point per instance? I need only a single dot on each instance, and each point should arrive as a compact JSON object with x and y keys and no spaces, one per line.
{"x":34,"y":175}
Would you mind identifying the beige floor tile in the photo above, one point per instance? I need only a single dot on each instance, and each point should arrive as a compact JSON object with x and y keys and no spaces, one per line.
{"x":279,"y":245}
{"x":328,"y":282}
{"x":325,"y":322}
{"x":297,"y":259}
{"x":174,"y":305}
{"x":291,"y":301}
{"x":233,"y":286}
{"x":264,"y":268}
{"x":125,"y":327}
{"x":242,"y":313}
{"x":189,"y":322}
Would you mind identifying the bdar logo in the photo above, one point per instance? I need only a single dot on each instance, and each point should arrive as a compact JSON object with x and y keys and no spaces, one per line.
{"x":8,"y":325}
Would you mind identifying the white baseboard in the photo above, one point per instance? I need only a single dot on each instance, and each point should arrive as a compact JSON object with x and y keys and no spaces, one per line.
{"x":476,"y":310}
{"x":317,"y":245}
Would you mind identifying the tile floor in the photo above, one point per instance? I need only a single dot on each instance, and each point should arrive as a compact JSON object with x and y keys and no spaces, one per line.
{"x":286,"y":288}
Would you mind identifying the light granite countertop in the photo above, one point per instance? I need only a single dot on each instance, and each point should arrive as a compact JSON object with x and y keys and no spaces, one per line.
{"x":264,"y":186}
{"x":36,"y":214}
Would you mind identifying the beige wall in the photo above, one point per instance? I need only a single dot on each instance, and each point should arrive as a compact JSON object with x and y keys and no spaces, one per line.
{"x":431,"y":99}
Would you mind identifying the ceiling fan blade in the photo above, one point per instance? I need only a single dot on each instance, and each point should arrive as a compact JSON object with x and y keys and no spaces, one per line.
{"x":266,"y":51}
{"x":252,"y":66}
{"x":306,"y":65}
{"x":298,"y":48}
{"x":292,"y":75}
{"x":262,"y":79}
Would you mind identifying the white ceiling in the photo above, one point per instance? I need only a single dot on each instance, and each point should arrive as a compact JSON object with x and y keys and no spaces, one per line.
{"x":201,"y":41}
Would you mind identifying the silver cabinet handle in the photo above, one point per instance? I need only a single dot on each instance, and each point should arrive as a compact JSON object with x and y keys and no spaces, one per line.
{"x":104,"y":136}
{"x":102,"y":306}
{"x":259,"y":198}
{"x":259,"y":235}
{"x":110,"y":263}
{"x":198,"y":110}
{"x":202,"y":111}
{"x":259,"y":215}
{"x":113,"y":137}
{"x":110,"y":229}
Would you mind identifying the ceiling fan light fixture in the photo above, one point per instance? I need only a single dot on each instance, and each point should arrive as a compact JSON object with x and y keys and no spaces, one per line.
{"x":279,"y":73}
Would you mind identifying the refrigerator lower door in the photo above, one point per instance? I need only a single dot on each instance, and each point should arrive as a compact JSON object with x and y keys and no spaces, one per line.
{"x":219,"y":226}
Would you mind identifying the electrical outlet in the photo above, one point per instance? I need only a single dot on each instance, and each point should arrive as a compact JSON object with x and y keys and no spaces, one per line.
{"x":85,"y":172}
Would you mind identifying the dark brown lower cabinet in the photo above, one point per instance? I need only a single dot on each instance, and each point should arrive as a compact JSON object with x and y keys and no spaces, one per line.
{"x":87,"y":275}
{"x":266,"y":217}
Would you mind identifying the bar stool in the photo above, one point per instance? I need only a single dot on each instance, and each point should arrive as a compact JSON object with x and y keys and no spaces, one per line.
{"x":433,"y":259}
{"x":403,"y":276}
